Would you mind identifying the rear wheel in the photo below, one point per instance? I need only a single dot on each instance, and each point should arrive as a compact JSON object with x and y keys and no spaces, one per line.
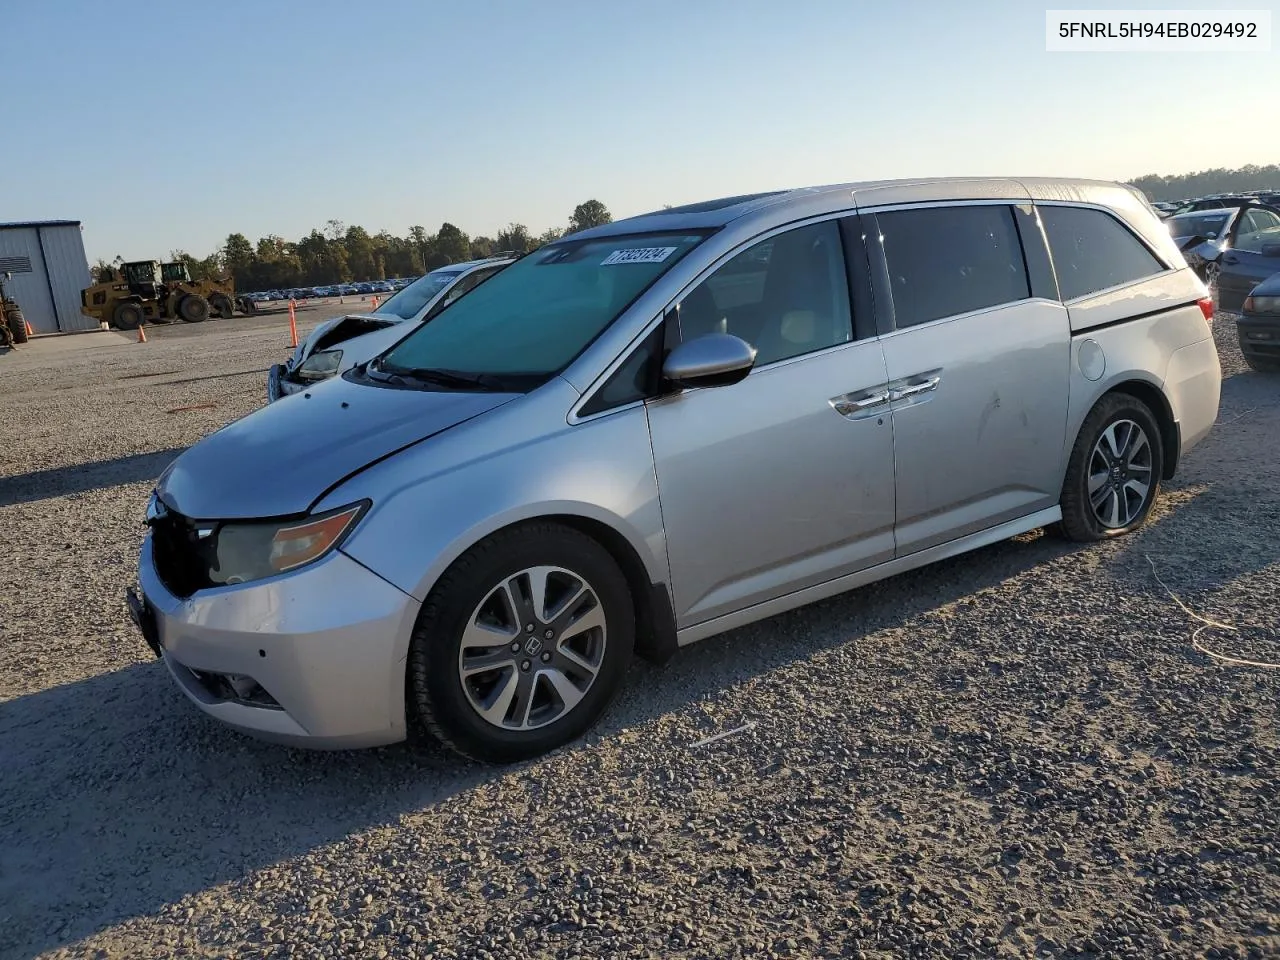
{"x":248,"y":308}
{"x":1114,"y":472}
{"x":222,"y":306}
{"x":522,"y":645}
{"x":193,"y":308}
{"x":127,"y":316}
{"x":17,"y":326}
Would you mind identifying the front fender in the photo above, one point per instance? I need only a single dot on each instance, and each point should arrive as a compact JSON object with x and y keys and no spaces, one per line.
{"x":433,"y":502}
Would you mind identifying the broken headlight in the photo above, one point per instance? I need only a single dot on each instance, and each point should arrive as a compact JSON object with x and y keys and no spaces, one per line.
{"x":251,"y":551}
{"x":319,"y":366}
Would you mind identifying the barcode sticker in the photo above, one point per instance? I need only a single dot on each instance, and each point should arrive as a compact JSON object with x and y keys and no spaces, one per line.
{"x":638,"y":255}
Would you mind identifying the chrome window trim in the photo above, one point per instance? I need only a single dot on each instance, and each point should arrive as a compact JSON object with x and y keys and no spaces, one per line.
{"x":702,"y":275}
{"x":950,"y":318}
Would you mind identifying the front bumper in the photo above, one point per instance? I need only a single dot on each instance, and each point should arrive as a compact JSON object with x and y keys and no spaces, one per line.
{"x":279,"y":385}
{"x":1259,"y":336}
{"x":315,"y":658}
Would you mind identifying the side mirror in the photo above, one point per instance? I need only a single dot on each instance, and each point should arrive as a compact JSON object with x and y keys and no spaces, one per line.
{"x":713,"y":360}
{"x":1270,"y":250}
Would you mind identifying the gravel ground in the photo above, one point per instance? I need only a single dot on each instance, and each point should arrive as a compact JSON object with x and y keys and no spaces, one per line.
{"x":1015,"y":753}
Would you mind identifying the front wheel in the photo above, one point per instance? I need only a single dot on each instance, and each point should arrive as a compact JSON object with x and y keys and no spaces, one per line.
{"x":522,"y":645}
{"x":1114,"y":472}
{"x":193,"y":308}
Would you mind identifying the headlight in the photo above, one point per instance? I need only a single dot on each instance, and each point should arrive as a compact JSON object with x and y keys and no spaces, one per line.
{"x":251,"y":551}
{"x":1262,"y":305}
{"x":320,"y":366}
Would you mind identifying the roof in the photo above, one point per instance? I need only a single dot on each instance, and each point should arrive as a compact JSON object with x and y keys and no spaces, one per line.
{"x":18,"y":224}
{"x":714,"y":214}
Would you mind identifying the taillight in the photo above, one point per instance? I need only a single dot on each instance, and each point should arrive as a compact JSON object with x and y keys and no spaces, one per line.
{"x":1206,"y":307}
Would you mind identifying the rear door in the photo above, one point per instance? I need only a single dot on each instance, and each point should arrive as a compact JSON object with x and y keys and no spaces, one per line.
{"x":978,"y":362}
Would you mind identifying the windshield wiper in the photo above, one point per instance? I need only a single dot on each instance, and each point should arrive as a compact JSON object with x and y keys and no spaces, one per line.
{"x":439,"y":376}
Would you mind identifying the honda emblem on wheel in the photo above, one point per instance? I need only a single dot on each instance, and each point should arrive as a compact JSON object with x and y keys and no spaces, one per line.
{"x":532,"y":646}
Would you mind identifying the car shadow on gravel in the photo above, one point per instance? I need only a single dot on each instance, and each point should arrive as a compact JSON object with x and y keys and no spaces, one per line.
{"x":83,"y":477}
{"x":121,"y":799}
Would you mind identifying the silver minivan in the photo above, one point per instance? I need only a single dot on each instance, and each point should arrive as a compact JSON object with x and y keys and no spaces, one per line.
{"x":664,"y":428}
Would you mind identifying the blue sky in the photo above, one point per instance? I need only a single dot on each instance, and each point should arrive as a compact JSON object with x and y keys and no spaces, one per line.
{"x":170,"y":125}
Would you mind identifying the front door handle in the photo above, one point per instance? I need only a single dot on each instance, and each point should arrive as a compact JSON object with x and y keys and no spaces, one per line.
{"x":860,"y":403}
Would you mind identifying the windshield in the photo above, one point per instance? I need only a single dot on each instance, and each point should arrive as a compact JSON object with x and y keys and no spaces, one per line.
{"x":534,"y":317}
{"x":408,"y":302}
{"x":1201,"y":225}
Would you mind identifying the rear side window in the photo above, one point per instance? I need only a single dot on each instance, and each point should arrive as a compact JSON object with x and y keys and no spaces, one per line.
{"x":943,"y":261}
{"x":1093,"y":251}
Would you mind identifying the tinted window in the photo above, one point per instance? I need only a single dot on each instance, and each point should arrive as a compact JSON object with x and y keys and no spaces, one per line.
{"x":1092,"y":251}
{"x":636,"y":379}
{"x":948,"y":260}
{"x":787,"y":295}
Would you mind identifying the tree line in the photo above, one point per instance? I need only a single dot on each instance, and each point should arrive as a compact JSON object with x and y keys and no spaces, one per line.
{"x":342,"y":254}
{"x":1186,"y":186}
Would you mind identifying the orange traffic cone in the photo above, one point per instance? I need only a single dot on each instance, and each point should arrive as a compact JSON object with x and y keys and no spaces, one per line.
{"x":142,"y":334}
{"x":30,"y":332}
{"x":293,"y":327}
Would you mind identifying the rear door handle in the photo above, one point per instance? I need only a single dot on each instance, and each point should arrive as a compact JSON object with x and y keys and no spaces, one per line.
{"x":860,"y":403}
{"x":917,"y":386}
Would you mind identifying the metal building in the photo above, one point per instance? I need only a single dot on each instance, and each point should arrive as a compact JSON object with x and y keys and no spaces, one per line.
{"x":49,"y":268}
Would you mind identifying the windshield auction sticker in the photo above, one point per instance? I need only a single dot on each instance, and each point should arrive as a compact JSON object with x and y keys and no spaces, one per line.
{"x":638,"y":255}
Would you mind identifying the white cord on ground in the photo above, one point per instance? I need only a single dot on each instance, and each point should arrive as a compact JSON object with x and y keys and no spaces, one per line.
{"x":1206,"y":625}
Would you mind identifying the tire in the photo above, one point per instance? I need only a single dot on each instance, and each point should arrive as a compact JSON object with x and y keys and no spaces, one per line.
{"x":17,"y":326}
{"x":222,"y":306}
{"x":193,"y":308}
{"x":248,"y":308}
{"x":528,"y":715}
{"x":127,"y":316}
{"x":1260,"y":364}
{"x":1120,"y":500}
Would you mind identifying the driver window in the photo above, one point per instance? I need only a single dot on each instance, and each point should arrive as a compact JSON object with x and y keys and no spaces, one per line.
{"x":787,"y":295}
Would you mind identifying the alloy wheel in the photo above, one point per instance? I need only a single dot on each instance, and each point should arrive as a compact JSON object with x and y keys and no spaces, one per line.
{"x":1120,"y":480}
{"x":532,"y":648}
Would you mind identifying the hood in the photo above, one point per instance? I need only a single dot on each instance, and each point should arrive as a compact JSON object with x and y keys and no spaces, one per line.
{"x":337,"y":329}
{"x":280,"y":459}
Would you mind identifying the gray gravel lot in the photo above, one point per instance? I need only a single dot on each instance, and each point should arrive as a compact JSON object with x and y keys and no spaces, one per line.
{"x":1014,"y":753}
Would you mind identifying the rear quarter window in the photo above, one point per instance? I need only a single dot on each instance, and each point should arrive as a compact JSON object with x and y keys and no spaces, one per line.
{"x":1094,"y":251}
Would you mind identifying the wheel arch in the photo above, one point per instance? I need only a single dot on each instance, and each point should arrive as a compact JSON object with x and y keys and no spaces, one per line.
{"x":1151,"y":395}
{"x":655,"y":616}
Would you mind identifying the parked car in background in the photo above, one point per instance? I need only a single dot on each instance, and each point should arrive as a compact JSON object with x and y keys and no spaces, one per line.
{"x":1205,"y":235}
{"x":1253,"y":259}
{"x":337,"y":345}
{"x":1258,"y":326}
{"x":666,"y":427}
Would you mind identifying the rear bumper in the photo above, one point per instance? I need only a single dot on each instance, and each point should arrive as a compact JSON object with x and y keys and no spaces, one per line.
{"x":313,"y":659}
{"x":1194,"y":388}
{"x":1259,"y":336}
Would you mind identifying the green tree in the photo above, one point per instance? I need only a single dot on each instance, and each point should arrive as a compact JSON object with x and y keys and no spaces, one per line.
{"x":515,"y":236}
{"x":451,"y":244}
{"x":237,"y":256}
{"x":593,"y":213}
{"x":104,"y":271}
{"x":550,"y":235}
{"x":481,"y":247}
{"x":421,"y":244}
{"x":361,"y":256}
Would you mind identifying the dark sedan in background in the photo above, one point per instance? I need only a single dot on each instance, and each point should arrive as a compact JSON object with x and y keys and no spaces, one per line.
{"x":1206,"y":236}
{"x":1254,"y":258}
{"x":1259,"y":323}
